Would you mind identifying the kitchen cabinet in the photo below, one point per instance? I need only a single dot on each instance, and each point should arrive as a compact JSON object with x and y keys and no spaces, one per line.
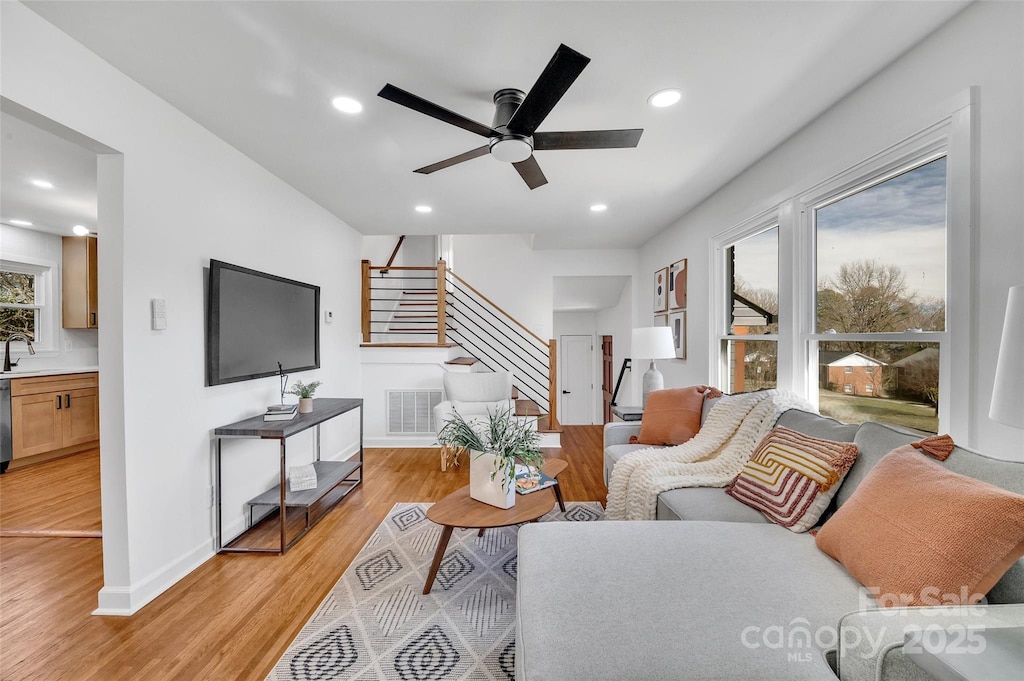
{"x":50,"y":413}
{"x":79,"y":307}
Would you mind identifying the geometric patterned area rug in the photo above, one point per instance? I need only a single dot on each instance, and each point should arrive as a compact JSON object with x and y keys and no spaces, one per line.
{"x":376,"y":623}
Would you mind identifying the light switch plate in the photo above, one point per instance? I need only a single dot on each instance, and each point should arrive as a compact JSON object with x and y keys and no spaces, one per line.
{"x":328,"y":316}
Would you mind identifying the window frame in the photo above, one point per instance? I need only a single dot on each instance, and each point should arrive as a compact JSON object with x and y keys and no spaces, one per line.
{"x":47,"y":314}
{"x":952,"y":133}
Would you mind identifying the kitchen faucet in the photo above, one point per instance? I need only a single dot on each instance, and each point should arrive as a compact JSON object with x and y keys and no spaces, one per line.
{"x":7,"y":350}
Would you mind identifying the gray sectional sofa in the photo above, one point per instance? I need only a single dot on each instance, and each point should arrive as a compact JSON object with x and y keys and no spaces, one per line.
{"x":722,"y":593}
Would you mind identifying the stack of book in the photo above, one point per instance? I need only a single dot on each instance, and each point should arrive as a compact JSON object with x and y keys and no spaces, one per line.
{"x":281,"y":412}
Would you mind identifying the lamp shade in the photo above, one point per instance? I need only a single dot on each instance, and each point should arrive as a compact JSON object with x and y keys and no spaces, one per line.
{"x":653,"y":342}
{"x":1008,"y":391}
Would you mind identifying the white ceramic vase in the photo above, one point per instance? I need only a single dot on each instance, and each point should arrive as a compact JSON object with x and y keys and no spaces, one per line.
{"x":305,"y":405}
{"x":496,"y":492}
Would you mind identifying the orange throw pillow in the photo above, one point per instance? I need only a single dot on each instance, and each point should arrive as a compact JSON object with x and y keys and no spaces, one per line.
{"x":923,"y":535}
{"x":671,"y":417}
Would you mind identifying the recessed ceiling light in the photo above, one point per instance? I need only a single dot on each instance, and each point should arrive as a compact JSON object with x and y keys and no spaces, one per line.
{"x":663,"y":98}
{"x":20,"y":223}
{"x":43,"y":184}
{"x":598,"y":208}
{"x":423,"y":209}
{"x":80,"y":230}
{"x":347,"y":105}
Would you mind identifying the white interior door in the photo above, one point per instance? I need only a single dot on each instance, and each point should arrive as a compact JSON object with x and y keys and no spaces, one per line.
{"x":576,"y":380}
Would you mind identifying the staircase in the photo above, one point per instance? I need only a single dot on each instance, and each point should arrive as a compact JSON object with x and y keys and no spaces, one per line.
{"x":434,"y":307}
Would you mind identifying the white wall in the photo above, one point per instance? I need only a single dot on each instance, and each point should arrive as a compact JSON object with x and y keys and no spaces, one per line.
{"x":508,"y":271}
{"x":618,"y":323}
{"x":980,"y":47}
{"x":25,"y":244}
{"x":187,"y":197}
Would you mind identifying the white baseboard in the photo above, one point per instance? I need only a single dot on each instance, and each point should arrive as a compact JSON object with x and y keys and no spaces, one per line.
{"x":126,"y":601}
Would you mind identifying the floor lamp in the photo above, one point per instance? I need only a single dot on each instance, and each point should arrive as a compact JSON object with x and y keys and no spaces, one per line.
{"x":652,"y":342}
{"x":1008,"y":390}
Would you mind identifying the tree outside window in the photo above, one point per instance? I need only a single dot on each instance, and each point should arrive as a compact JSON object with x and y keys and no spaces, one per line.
{"x":19,"y":309}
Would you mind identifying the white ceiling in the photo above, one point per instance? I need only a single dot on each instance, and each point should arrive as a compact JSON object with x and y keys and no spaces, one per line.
{"x":261,"y":76}
{"x":28,"y":153}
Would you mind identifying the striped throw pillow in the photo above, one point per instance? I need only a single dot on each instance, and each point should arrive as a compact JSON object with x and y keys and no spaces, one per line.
{"x":791,"y":477}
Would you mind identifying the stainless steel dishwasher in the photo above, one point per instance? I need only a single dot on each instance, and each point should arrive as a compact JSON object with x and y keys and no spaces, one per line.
{"x":6,"y":447}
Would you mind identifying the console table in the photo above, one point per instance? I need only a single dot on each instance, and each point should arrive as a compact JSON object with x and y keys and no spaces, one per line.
{"x":342,"y":475}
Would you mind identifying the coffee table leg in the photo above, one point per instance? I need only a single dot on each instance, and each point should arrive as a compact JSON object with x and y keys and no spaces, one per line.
{"x":442,"y":544}
{"x":558,"y":495}
{"x":481,"y":532}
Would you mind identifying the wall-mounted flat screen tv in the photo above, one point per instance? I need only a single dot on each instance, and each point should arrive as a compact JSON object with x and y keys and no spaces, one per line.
{"x":256,"y":321}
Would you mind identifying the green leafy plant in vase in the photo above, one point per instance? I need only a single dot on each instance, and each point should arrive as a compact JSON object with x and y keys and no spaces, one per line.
{"x":305,"y":392}
{"x":496,"y":444}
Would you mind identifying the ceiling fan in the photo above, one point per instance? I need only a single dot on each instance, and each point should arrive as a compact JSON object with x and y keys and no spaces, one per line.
{"x":512,"y":136}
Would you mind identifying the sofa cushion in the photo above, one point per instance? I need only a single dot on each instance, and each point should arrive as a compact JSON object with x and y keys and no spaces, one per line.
{"x":613,"y":454}
{"x":925,"y":535}
{"x":817,"y":425}
{"x":671,"y":417}
{"x":705,"y":503}
{"x":653,"y":600}
{"x":791,"y":477}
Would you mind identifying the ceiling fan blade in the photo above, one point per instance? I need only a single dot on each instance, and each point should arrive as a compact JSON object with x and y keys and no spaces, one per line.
{"x":560,"y":73}
{"x":448,"y":162}
{"x":587,"y":139}
{"x":531,"y":173}
{"x":411,"y":101}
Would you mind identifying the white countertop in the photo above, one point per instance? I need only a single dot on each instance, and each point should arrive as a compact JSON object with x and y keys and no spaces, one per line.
{"x":30,"y":372}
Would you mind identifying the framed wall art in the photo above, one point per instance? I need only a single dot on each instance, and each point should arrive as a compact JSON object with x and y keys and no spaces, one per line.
{"x":677,"y":321}
{"x":661,"y":290}
{"x":677,"y":285}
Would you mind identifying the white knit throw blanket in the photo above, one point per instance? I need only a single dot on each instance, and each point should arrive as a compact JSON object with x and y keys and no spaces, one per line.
{"x":712,"y":458}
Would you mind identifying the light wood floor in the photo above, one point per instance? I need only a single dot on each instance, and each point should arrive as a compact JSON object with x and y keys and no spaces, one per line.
{"x":235,"y":615}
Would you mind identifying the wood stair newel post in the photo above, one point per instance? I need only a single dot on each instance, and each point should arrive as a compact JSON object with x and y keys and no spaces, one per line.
{"x":442,"y":315}
{"x":365,"y":302}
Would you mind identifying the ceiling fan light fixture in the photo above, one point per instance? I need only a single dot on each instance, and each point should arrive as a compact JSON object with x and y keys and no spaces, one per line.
{"x":347,"y":105}
{"x":511,"y":148}
{"x":664,"y":98}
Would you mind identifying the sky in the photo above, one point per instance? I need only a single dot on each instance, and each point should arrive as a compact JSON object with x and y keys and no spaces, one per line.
{"x":901,"y":222}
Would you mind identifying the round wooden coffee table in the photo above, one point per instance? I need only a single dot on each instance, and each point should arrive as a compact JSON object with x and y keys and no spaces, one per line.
{"x":458,"y":509}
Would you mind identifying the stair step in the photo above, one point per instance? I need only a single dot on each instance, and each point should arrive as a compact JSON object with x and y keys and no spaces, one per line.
{"x":527,"y":407}
{"x":546,"y":424}
{"x":463,"y":361}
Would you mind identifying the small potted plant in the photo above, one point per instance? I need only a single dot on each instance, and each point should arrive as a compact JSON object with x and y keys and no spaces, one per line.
{"x":496,"y":443}
{"x":305,"y":393}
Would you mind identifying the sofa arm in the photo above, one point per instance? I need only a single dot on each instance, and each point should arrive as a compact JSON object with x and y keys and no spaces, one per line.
{"x":619,"y":432}
{"x":871,"y":642}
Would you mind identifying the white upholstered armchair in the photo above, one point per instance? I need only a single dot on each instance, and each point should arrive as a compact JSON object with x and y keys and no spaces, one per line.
{"x":473,"y":395}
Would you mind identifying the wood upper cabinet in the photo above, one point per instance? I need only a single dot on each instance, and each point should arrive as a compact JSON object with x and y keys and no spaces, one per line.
{"x":79,"y":307}
{"x":53,"y":412}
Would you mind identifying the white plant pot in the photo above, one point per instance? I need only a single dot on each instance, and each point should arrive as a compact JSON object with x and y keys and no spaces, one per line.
{"x":305,"y":405}
{"x":495,"y":492}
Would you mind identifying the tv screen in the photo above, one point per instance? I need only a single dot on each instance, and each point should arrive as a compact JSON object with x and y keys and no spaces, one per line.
{"x":256,"y":320}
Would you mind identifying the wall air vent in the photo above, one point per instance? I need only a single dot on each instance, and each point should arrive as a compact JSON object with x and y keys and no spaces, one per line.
{"x":411,"y":412}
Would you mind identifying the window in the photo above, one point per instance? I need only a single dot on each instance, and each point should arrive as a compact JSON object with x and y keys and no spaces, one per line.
{"x":874,"y":306}
{"x":25,"y":304}
{"x":896,"y":285}
{"x":19,"y":312}
{"x":749,"y":346}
